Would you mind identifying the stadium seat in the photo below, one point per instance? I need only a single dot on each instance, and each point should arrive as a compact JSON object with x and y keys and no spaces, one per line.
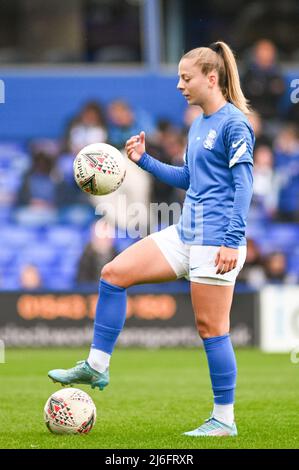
{"x":7,"y":256}
{"x":274,"y":236}
{"x":282,"y":237}
{"x":17,"y":236}
{"x":10,"y":282}
{"x":63,"y":236}
{"x":293,"y":262}
{"x":39,"y":255}
{"x":5,"y":214}
{"x":77,"y":214}
{"x":64,"y":284}
{"x":35,"y":217}
{"x":13,"y":156}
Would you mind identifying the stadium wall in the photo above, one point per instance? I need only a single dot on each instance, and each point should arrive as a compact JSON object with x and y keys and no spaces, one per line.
{"x":40,"y":101}
{"x":40,"y":104}
{"x":153,"y":320}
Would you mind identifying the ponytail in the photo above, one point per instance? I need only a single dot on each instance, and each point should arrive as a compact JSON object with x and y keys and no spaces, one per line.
{"x":219,"y":56}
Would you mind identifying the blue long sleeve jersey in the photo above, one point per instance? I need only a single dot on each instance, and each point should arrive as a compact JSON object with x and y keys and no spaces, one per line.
{"x":217,"y":176}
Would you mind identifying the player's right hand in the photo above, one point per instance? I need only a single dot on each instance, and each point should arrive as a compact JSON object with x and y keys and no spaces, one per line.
{"x":135,"y":147}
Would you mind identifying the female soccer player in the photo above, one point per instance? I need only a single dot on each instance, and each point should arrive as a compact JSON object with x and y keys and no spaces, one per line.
{"x":207,"y":245}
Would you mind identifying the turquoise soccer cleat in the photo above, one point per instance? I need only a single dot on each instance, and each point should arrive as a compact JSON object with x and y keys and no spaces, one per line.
{"x":213,"y":427}
{"x":82,"y":373}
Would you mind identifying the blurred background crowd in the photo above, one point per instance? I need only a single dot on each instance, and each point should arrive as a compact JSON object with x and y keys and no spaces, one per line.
{"x":52,"y":239}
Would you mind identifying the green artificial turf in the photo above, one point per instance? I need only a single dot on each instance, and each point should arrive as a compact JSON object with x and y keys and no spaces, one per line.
{"x":153,"y":397}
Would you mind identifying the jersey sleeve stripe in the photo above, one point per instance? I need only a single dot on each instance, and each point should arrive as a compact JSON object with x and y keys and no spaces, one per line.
{"x":239,"y":153}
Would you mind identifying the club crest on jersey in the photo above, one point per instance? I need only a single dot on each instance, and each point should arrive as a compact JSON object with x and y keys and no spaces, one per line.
{"x":209,"y":142}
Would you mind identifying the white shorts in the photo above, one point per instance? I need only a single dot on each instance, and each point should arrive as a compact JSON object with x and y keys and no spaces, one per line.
{"x":195,"y":262}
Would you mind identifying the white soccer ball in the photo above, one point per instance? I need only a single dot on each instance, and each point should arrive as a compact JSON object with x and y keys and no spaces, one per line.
{"x":99,"y":169}
{"x":70,"y":411}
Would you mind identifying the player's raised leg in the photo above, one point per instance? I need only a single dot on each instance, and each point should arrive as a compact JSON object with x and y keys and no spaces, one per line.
{"x":142,"y":262}
{"x":211,"y":304}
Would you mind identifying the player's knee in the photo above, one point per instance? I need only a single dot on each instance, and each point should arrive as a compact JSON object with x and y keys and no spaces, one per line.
{"x":208,"y":329}
{"x":111,"y":274}
{"x":203,"y":328}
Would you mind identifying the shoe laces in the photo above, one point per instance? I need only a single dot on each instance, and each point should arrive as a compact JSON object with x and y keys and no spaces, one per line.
{"x":80,"y":362}
{"x":212,"y":421}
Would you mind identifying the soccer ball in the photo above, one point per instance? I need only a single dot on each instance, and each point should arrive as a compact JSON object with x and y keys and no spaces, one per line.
{"x":70,"y":411}
{"x":99,"y":169}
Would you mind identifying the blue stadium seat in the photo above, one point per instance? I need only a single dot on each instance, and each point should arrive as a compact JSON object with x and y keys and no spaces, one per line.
{"x":78,"y":215}
{"x":55,"y":279}
{"x":17,"y":236}
{"x":274,"y":236}
{"x":39,"y":255}
{"x":7,"y":256}
{"x":61,"y":285}
{"x":10,"y":282}
{"x":10,"y":183}
{"x":5,"y":214}
{"x":293,"y":262}
{"x":35,"y":218}
{"x":283,"y":237}
{"x":14,"y":157}
{"x":255,"y":231}
{"x":64,"y":237}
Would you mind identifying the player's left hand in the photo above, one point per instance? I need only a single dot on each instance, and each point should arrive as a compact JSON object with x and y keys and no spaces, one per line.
{"x":226,"y":259}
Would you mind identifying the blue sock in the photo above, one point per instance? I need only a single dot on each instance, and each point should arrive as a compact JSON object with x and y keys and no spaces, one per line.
{"x":223,"y":368}
{"x":110,"y":316}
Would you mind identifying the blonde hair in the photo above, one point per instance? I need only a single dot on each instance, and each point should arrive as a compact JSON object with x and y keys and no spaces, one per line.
{"x":219,"y":56}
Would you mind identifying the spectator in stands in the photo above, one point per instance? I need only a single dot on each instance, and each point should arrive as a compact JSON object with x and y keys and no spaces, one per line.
{"x":45,"y":145}
{"x":30,"y":278}
{"x":191,"y":113}
{"x":253,"y":272}
{"x":99,"y":251}
{"x":293,"y":113}
{"x":87,"y":128}
{"x":169,"y":147}
{"x":68,"y":192}
{"x":286,"y":150}
{"x":37,"y":196}
{"x":69,"y":198}
{"x":124,"y":122}
{"x":46,"y":189}
{"x":261,"y":138}
{"x":130,"y":202}
{"x":174,"y":145}
{"x":276,"y":269}
{"x":265,"y":186}
{"x":39,"y":184}
{"x":263,"y":81}
{"x":164,"y":126}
